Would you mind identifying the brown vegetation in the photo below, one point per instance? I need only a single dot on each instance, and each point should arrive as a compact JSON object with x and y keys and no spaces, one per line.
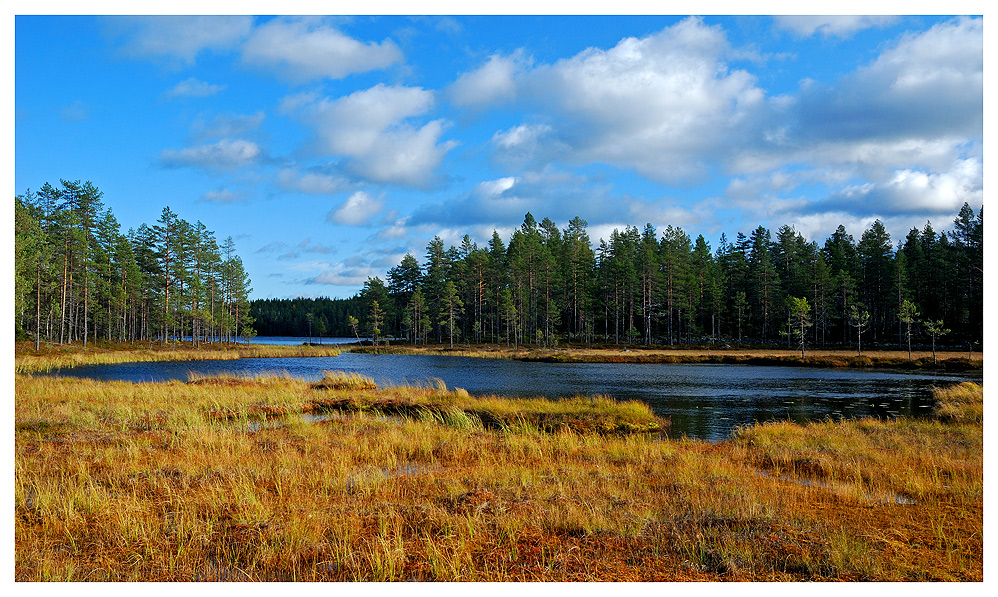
{"x":271,"y":478}
{"x":50,"y":358}
{"x":893,"y":359}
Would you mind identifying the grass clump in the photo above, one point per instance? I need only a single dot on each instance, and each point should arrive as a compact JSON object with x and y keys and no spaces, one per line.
{"x":341,"y":380}
{"x":962,"y":403}
{"x":580,"y":414}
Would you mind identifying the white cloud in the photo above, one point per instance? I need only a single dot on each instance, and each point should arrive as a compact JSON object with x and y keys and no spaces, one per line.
{"x":831,"y":25}
{"x":194,"y":88}
{"x":525,"y":144}
{"x":949,"y":57}
{"x":491,"y":83}
{"x":660,"y":105}
{"x":920,"y":101}
{"x":179,"y":38}
{"x":404,"y":155}
{"x":226,"y":154}
{"x":520,"y":135}
{"x":304,"y":49}
{"x":353,"y":124}
{"x":818,"y":227}
{"x":915,"y":192}
{"x":494,"y":188}
{"x":357,"y":210}
{"x":372,"y":128}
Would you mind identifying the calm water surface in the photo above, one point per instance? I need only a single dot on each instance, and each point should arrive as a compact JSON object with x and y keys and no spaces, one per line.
{"x":299,"y":340}
{"x":703,"y":401}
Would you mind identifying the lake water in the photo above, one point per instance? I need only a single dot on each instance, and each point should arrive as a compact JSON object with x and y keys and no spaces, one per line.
{"x":703,"y":401}
{"x":299,"y":340}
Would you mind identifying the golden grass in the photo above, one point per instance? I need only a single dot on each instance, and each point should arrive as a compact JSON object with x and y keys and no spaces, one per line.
{"x":259,"y":478}
{"x":55,"y":358}
{"x":962,"y":403}
{"x":640,"y":354}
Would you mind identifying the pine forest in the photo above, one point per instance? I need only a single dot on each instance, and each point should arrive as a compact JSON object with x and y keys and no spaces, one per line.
{"x":79,"y":279}
{"x":646,"y":286}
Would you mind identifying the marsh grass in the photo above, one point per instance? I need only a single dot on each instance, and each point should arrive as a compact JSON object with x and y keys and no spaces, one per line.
{"x":962,"y":403}
{"x":55,"y":358}
{"x":117,"y":481}
{"x":892,"y":359}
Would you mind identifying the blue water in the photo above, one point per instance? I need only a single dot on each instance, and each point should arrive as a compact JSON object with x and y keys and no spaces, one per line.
{"x":702,"y":401}
{"x":299,"y":340}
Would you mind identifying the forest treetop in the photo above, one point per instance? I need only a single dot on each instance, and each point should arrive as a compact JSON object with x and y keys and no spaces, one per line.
{"x":78,"y":278}
{"x":544,"y":285}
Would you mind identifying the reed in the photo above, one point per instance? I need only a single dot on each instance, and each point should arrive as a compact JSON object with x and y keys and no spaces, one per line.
{"x":116,"y":481}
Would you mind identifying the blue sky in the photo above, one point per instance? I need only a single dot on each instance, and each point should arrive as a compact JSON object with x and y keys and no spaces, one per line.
{"x":330,"y":147}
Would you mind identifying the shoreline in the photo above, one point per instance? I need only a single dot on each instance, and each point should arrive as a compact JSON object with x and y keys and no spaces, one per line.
{"x":847,"y":359}
{"x":27,"y":361}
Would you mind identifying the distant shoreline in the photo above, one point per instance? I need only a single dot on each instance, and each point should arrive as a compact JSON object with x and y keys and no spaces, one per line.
{"x":892,"y":359}
{"x":26,"y":360}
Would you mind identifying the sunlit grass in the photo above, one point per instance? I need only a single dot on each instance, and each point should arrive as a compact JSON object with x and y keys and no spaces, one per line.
{"x":48,"y":359}
{"x":273,"y":478}
{"x":698,"y":354}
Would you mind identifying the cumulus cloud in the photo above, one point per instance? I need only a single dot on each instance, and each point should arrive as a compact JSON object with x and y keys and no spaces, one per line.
{"x":527,"y":144}
{"x":929,"y":86}
{"x":305,"y":49}
{"x":373,"y":128}
{"x":668,"y":107}
{"x":491,"y":83}
{"x":358,"y":210}
{"x":226,"y":154}
{"x":913,"y":192}
{"x":178,"y":38}
{"x":502,"y":203}
{"x":194,"y":88}
{"x":831,"y":25}
{"x":660,"y":105}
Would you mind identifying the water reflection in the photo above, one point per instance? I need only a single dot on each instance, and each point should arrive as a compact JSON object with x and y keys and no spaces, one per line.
{"x":703,"y":401}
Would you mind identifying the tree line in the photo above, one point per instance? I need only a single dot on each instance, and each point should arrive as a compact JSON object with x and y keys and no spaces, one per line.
{"x":78,"y":278}
{"x":547,"y":285}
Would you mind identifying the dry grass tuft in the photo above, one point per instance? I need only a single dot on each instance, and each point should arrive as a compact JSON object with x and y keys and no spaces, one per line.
{"x":341,"y":380}
{"x":962,"y":403}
